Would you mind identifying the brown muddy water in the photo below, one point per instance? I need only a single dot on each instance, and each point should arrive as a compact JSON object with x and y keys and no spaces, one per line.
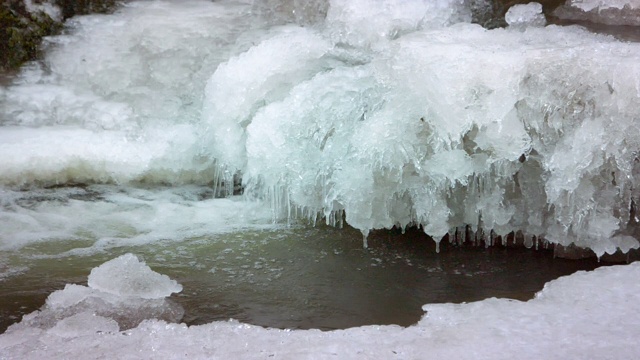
{"x":303,"y":277}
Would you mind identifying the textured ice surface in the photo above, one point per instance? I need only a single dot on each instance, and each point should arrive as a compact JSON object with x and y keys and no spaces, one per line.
{"x":525,"y":15}
{"x":586,"y":315}
{"x":610,"y":12}
{"x":444,"y":127}
{"x":127,"y":276}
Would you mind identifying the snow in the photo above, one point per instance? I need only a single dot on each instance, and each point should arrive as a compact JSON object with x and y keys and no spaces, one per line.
{"x":585,"y":315}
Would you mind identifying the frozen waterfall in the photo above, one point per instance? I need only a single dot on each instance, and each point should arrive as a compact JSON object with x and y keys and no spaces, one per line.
{"x":381,"y":113}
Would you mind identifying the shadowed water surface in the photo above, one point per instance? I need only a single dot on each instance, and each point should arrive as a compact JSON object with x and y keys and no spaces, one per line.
{"x":305,"y":277}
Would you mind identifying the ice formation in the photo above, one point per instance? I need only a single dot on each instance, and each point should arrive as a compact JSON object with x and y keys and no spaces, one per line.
{"x":384,"y":113}
{"x":525,"y":15}
{"x":610,"y":12}
{"x":444,"y":126}
{"x":121,"y":294}
{"x":127,"y":276}
{"x":586,"y":315}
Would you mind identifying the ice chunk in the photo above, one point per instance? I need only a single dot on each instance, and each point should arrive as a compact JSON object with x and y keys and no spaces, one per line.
{"x":122,"y":293}
{"x":128,"y":276}
{"x":525,"y":15}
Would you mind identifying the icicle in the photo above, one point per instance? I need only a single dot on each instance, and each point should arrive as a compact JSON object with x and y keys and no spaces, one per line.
{"x":437,"y":245}
{"x":365,"y":235}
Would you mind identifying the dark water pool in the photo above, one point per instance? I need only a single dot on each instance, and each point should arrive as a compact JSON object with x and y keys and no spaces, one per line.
{"x":306,"y":277}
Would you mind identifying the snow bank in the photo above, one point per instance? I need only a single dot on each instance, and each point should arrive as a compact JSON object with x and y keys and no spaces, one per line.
{"x":571,"y":317}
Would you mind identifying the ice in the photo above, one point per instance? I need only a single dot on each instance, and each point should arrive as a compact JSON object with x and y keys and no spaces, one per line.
{"x":433,"y":129}
{"x":588,"y":5}
{"x":127,"y":276}
{"x":571,"y":317}
{"x":382,"y":113}
{"x":610,"y":12}
{"x":121,"y":294}
{"x":525,"y":15}
{"x":366,"y":22}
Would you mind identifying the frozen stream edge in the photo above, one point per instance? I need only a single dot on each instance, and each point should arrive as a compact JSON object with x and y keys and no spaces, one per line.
{"x":591,"y":315}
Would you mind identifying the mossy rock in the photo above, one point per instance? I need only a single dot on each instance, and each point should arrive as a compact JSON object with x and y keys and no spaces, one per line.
{"x":21,"y":32}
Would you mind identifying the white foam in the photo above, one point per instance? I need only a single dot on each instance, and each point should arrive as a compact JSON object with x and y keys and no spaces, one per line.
{"x":121,"y":216}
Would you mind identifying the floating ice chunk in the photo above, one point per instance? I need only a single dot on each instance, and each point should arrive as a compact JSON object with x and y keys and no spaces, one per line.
{"x":525,"y":15}
{"x":122,"y":293}
{"x":128,"y":276}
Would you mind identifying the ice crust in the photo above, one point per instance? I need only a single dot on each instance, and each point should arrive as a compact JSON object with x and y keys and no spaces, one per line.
{"x":387,"y":113}
{"x":585,"y":315}
{"x":610,"y":12}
